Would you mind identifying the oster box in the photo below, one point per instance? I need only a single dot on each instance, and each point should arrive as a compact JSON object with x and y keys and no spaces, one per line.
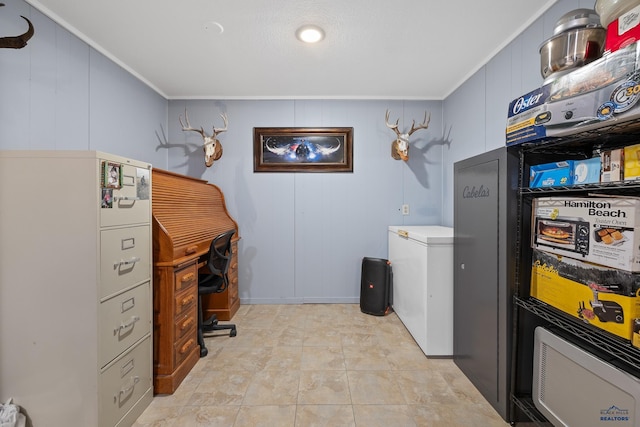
{"x":525,"y":118}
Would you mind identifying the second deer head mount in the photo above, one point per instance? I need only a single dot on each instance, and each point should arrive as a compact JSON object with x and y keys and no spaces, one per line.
{"x":212,"y":147}
{"x":400,"y":147}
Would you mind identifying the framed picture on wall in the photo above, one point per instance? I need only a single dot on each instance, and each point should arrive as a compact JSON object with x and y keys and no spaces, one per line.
{"x":303,"y":149}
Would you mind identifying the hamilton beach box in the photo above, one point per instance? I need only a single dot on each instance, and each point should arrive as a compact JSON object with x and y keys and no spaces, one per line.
{"x":601,"y":296}
{"x":602,"y":230}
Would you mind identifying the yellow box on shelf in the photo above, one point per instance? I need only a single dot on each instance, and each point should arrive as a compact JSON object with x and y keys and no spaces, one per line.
{"x":604,"y":297}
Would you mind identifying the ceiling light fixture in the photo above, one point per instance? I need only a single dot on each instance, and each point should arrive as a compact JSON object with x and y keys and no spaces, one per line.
{"x":310,"y":34}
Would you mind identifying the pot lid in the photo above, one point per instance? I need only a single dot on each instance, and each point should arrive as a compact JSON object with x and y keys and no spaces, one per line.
{"x":577,"y":18}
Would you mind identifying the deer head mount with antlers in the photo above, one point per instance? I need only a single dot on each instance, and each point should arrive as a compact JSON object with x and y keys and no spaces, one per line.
{"x":212,"y":147}
{"x":17,"y":42}
{"x":400,"y":147}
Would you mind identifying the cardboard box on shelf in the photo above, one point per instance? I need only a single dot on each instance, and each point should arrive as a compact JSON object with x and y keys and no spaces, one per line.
{"x":586,"y":171}
{"x":526,"y":116}
{"x":623,"y":30}
{"x":604,"y":297}
{"x":551,"y":174}
{"x":601,"y":93}
{"x":612,"y":165}
{"x":632,"y":162}
{"x":603,"y":230}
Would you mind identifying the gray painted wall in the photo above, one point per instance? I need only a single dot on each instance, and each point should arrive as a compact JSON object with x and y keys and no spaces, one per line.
{"x":60,"y":94}
{"x":476,"y":113}
{"x":303,"y":234}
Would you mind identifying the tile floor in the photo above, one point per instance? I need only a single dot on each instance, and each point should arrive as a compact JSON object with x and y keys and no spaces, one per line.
{"x":320,"y":365}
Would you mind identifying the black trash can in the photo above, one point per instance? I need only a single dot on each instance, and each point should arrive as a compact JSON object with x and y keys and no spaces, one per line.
{"x":376,"y":286}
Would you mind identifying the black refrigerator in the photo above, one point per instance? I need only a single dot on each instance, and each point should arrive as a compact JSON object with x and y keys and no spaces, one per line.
{"x":485,"y":224}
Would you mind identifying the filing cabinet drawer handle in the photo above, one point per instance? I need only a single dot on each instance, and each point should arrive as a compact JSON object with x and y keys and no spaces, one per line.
{"x":126,"y":326}
{"x":125,"y":198}
{"x":186,"y":324}
{"x":403,"y":233}
{"x":122,"y":262}
{"x":187,"y":277}
{"x":187,"y":346}
{"x":188,"y":300}
{"x":126,"y":392}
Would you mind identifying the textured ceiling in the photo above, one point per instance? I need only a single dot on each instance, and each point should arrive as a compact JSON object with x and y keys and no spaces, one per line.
{"x":246,"y":49}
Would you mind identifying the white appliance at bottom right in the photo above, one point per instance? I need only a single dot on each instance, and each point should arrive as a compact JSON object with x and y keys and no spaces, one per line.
{"x":572,"y":387}
{"x":422,"y":264}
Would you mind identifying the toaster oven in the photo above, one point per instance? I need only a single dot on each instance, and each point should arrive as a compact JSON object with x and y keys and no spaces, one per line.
{"x":569,"y":234}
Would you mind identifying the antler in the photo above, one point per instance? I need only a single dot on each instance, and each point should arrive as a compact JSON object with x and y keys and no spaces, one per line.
{"x":17,"y":42}
{"x":188,"y":126}
{"x":423,"y":125}
{"x":390,"y":126}
{"x":216,"y":130}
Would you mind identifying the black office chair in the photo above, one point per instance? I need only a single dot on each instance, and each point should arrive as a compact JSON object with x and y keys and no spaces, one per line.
{"x":216,"y":281}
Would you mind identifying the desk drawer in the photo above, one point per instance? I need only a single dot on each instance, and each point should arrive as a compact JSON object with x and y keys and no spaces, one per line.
{"x":125,"y":258}
{"x":124,"y":382}
{"x":124,"y":319}
{"x":185,"y":300}
{"x":185,"y":324}
{"x":184,"y":347}
{"x":186,"y":277}
{"x":130,"y":202}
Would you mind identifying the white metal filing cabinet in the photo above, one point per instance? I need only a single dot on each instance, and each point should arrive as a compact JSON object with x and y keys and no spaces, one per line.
{"x":422,"y":263}
{"x":75,"y":287}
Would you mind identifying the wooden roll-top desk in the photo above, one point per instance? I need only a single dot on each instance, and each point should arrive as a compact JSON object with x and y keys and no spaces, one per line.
{"x":187,"y":214}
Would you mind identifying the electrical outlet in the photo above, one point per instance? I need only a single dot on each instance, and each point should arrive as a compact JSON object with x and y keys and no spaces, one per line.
{"x":405,"y":209}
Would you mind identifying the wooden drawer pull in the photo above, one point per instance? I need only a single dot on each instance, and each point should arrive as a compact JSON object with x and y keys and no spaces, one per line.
{"x":234,"y":265}
{"x":186,"y":324}
{"x":188,"y":300}
{"x":191,"y":250}
{"x":187,"y":277}
{"x":234,"y":280}
{"x":187,"y":346}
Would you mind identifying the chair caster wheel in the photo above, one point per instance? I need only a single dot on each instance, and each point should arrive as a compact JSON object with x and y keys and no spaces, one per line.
{"x":233,"y":333}
{"x":203,"y":351}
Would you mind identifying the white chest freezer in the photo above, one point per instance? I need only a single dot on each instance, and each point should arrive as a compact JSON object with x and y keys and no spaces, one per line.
{"x":422,"y":262}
